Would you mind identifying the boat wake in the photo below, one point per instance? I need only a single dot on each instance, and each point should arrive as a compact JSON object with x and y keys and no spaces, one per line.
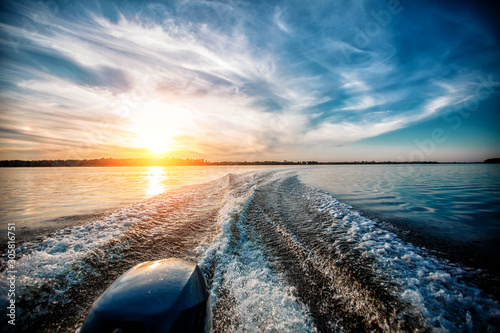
{"x":278,"y":256}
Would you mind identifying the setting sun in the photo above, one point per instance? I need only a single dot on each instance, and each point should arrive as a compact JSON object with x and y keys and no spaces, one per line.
{"x":158,"y":147}
{"x":155,"y":126}
{"x":154,"y":139}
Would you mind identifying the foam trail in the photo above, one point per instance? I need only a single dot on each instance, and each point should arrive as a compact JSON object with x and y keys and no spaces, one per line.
{"x":53,"y":273}
{"x":368,"y":278}
{"x":436,"y":288}
{"x":54,"y":256}
{"x":247,"y":294}
{"x":278,"y":256}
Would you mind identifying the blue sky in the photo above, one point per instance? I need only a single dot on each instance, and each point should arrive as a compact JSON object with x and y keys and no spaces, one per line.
{"x":250,"y":80}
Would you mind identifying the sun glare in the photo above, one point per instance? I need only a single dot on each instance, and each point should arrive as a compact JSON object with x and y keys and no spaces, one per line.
{"x":155,"y":126}
{"x":157,"y":147}
{"x":156,"y":143}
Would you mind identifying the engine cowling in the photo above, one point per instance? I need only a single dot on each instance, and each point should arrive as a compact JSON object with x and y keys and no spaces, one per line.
{"x":167,"y":295}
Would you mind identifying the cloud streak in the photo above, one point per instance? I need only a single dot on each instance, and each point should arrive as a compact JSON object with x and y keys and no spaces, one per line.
{"x":226,"y":80}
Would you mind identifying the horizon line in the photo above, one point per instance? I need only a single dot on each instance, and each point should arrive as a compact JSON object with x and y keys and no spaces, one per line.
{"x":178,"y":161}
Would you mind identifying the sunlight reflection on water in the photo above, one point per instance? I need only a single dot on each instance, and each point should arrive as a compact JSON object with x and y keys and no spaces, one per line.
{"x":156,"y":177}
{"x":32,"y":196}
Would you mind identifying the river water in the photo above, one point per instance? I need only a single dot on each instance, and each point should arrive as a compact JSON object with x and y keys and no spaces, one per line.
{"x":287,"y":249}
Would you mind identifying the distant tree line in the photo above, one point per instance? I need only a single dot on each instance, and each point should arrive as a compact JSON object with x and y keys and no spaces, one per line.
{"x":176,"y":161}
{"x":263,"y":163}
{"x":167,"y":161}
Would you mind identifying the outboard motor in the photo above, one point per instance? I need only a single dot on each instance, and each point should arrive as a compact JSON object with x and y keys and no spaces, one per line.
{"x":167,"y":295}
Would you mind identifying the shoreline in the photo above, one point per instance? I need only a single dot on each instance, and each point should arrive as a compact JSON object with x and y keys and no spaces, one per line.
{"x":55,"y":165}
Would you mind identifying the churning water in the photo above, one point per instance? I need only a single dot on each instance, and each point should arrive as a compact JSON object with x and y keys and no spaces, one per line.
{"x":279,"y":255}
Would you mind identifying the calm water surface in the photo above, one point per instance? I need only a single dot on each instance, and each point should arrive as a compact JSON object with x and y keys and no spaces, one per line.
{"x":30,"y":196}
{"x":459,"y":202}
{"x":462,"y":200}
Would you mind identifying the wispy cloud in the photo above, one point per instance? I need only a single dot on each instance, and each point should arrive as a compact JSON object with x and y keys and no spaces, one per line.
{"x":228,"y":79}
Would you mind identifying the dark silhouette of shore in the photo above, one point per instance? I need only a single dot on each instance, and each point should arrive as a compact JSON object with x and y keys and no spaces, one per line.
{"x":176,"y":161}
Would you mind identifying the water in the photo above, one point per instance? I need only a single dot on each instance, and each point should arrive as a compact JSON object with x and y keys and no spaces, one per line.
{"x":451,"y":208}
{"x":280,"y":254}
{"x":34,"y":197}
{"x":462,"y":199}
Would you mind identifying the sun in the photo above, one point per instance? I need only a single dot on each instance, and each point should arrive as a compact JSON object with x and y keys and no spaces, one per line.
{"x":157,"y":148}
{"x":157,"y":144}
{"x":152,"y":135}
{"x":155,"y":126}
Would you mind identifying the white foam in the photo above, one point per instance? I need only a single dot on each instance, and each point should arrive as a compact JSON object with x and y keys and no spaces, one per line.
{"x":55,"y":256}
{"x":263,"y":300}
{"x":436,"y":288}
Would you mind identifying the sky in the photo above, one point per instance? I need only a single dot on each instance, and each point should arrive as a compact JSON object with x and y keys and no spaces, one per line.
{"x":250,"y":80}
